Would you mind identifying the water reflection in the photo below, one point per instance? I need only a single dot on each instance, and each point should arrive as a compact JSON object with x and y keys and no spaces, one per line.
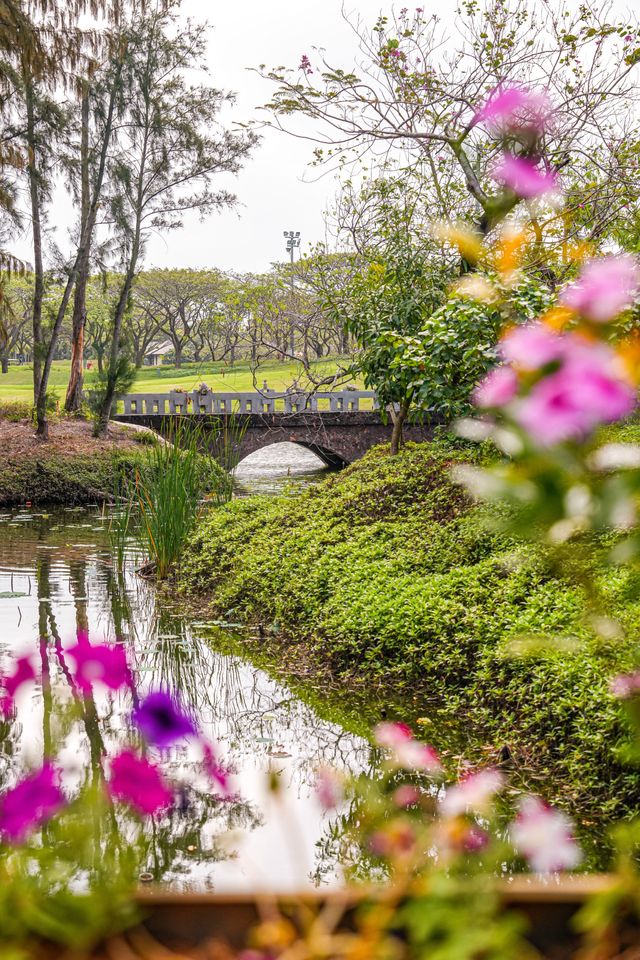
{"x":58,"y":575}
{"x":270,"y":470}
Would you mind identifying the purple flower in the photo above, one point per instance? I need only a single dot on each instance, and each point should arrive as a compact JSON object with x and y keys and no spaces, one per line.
{"x":99,"y":664}
{"x":137,"y":782}
{"x":305,"y":64}
{"x":544,"y":837}
{"x":30,"y":803}
{"x":23,"y":672}
{"x":524,"y":177}
{"x":497,"y":389}
{"x":604,"y":289}
{"x":160,"y":721}
{"x":514,"y":108}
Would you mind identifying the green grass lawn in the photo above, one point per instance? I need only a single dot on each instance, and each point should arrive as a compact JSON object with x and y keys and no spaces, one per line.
{"x":17,"y":383}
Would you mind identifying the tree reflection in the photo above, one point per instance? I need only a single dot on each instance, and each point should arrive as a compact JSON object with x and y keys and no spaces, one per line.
{"x":260,"y":724}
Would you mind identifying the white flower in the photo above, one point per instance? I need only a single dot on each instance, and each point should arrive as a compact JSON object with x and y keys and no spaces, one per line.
{"x":472,"y":794}
{"x":544,"y":837}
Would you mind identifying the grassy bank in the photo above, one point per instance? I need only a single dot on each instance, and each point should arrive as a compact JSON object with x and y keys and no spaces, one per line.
{"x":386,"y":576}
{"x":74,"y":468}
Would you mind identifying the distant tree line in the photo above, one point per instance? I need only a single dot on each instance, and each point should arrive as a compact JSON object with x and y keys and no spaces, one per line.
{"x":191,"y":316}
{"x":117,"y":104}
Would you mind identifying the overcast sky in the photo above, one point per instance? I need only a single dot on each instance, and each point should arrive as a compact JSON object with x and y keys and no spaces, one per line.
{"x":276,"y":189}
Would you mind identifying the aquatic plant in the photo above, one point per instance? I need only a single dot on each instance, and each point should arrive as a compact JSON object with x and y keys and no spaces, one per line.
{"x":166,"y":496}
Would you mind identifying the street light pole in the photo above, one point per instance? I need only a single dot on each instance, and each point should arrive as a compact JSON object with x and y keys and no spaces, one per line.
{"x":293,"y":240}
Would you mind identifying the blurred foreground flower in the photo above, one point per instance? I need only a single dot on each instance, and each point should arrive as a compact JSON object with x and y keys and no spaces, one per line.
{"x":516,"y":108}
{"x":604,"y":289}
{"x":23,"y":672}
{"x":218,"y":773}
{"x":160,"y":721}
{"x":585,"y":392}
{"x":99,"y":663}
{"x":137,"y":782}
{"x":524,"y":177}
{"x":625,"y":685}
{"x":406,"y":751}
{"x":329,"y":787}
{"x":30,"y":803}
{"x":544,"y":837}
{"x":473,"y":794}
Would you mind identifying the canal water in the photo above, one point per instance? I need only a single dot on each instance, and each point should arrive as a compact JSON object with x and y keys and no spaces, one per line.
{"x":58,"y":574}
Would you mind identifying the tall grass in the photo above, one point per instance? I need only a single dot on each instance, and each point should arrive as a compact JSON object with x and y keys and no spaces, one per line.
{"x":163,"y":499}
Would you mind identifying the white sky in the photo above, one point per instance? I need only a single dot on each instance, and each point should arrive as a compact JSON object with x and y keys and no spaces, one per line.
{"x":276,"y":189}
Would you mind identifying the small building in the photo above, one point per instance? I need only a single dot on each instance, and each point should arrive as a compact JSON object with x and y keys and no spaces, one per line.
{"x":154,"y":357}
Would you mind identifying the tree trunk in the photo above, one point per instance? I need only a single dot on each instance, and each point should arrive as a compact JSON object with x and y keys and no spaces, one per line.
{"x":5,"y":364}
{"x":79,"y":318}
{"x":83,"y":247}
{"x":36,"y":228}
{"x":397,"y":439}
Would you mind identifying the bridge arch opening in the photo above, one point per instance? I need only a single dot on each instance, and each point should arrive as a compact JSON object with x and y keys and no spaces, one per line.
{"x":269,"y":468}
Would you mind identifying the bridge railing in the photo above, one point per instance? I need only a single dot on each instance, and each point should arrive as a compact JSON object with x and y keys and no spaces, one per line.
{"x":201,"y":402}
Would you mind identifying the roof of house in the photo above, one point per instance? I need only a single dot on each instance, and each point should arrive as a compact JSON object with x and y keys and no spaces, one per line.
{"x":159,"y":349}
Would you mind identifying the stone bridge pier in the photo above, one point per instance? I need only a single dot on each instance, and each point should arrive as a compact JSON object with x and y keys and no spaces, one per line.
{"x":337,"y":438}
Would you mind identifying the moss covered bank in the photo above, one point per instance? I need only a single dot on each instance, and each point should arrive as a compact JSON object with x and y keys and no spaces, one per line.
{"x":386,"y":575}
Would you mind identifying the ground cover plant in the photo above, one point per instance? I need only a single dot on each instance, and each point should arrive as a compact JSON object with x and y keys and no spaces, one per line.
{"x":407,"y":585}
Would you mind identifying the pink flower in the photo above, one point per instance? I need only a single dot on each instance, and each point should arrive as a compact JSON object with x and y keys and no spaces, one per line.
{"x":392,"y":734}
{"x":328,"y":787}
{"x":516,"y":107}
{"x":584,"y":392}
{"x":413,"y":755}
{"x":475,"y":839}
{"x":625,"y":685}
{"x":544,"y":837}
{"x":604,"y":289}
{"x":406,"y":751}
{"x":137,"y":782}
{"x":497,"y":389}
{"x":473,"y":794}
{"x":524,"y":177}
{"x":395,"y":838}
{"x":406,"y":796}
{"x":30,"y":803}
{"x":305,"y":64}
{"x":99,"y":663}
{"x":218,"y":773}
{"x":23,"y":672}
{"x":531,"y":346}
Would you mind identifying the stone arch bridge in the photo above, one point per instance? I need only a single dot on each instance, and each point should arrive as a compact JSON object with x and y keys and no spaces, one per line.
{"x":337,"y":427}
